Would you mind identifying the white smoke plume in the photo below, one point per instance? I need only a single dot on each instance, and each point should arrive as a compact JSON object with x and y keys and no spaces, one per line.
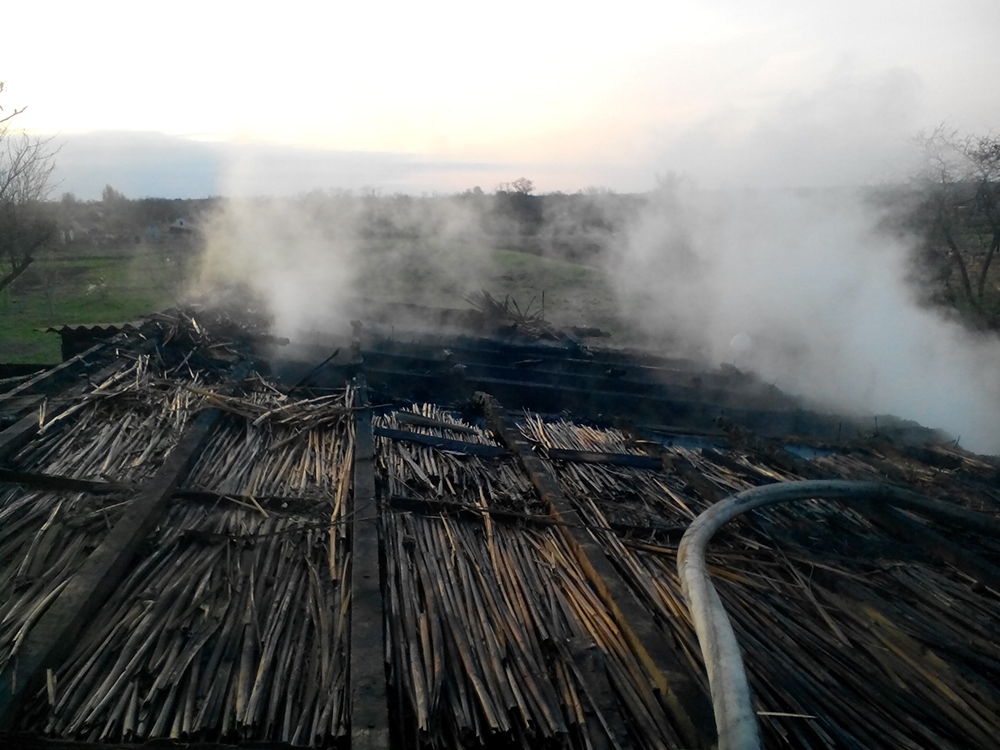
{"x":301,"y":265}
{"x":823,"y":296}
{"x":312,"y":258}
{"x":801,"y":287}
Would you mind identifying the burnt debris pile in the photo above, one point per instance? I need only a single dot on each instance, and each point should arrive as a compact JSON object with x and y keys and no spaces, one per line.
{"x":506,"y":316}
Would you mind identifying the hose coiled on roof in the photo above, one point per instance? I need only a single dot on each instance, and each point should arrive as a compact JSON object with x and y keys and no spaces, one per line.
{"x":732,"y":703}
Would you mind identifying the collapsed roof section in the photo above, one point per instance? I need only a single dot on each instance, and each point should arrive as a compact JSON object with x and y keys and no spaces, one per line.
{"x":427,"y":542}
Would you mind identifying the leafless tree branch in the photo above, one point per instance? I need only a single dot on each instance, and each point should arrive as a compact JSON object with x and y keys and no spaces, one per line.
{"x":26,"y":164}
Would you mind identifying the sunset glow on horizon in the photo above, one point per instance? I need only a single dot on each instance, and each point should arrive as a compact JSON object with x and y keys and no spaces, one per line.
{"x":575,"y":96}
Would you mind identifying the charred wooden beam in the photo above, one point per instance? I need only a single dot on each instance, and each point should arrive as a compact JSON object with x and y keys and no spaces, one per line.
{"x":586,"y":660}
{"x":748,"y":473}
{"x":773,"y":452}
{"x":50,"y":373}
{"x":426,"y":506}
{"x":281,"y":505}
{"x":409,"y":417}
{"x":369,"y":698}
{"x":613,"y":459}
{"x":681,"y":430}
{"x":432,"y":507}
{"x":62,"y":625}
{"x":597,"y":403}
{"x":50,"y":482}
{"x":695,"y":481}
{"x":17,"y":436}
{"x":445,"y":444}
{"x":684,"y":699}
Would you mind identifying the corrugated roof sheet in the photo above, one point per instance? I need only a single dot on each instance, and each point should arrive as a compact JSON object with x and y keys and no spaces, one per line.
{"x":99,"y":328}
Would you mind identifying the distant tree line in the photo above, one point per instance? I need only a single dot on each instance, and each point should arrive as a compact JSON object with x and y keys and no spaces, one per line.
{"x":578,"y":227}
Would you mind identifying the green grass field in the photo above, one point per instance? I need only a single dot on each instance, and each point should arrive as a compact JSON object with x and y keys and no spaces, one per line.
{"x":81,"y":287}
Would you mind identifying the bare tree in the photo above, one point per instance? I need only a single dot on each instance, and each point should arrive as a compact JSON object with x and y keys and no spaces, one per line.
{"x":520,"y":186}
{"x":26,"y":164}
{"x":959,"y":217}
{"x":13,"y":114}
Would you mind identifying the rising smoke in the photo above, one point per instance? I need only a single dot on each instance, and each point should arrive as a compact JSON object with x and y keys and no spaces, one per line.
{"x":822,"y":294}
{"x":803,"y":288}
{"x":299,"y":266}
{"x":310,"y":260}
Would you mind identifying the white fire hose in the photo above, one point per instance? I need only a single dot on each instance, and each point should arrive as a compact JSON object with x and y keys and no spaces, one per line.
{"x":732,"y":703}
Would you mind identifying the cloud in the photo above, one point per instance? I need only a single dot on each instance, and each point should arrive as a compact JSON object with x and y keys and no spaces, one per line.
{"x":160,"y":165}
{"x":852,"y":129}
{"x":137,"y":164}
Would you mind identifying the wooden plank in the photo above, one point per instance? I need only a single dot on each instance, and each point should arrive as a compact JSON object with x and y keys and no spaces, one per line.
{"x":445,"y":444}
{"x":369,"y":697}
{"x":438,"y":507}
{"x":51,"y":372}
{"x":52,"y":482}
{"x":689,"y":708}
{"x":600,"y":696}
{"x":17,"y":436}
{"x":63,"y":624}
{"x":597,"y":457}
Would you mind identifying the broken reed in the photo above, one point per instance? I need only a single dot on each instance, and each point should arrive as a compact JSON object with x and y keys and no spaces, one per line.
{"x":120,"y":432}
{"x":276,"y":446}
{"x":410,"y":469}
{"x":44,"y":536}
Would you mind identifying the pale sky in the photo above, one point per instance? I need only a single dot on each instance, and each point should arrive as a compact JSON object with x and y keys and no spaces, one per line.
{"x":188,"y":98}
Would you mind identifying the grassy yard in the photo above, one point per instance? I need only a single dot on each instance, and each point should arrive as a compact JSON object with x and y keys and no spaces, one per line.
{"x":81,"y":287}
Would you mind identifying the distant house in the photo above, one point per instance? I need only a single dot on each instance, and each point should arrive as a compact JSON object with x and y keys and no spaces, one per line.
{"x":181,"y":226}
{"x":71,"y":232}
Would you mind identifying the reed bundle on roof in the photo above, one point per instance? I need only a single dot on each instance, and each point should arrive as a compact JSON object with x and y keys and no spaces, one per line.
{"x":44,"y":537}
{"x":121,"y":430}
{"x":230,"y":629}
{"x":487,"y":619}
{"x":860,"y":651}
{"x":233,"y":623}
{"x":273,"y":445}
{"x":423,"y":471}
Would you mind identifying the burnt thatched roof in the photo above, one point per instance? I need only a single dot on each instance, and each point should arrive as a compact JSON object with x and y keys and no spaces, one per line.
{"x":451,"y":541}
